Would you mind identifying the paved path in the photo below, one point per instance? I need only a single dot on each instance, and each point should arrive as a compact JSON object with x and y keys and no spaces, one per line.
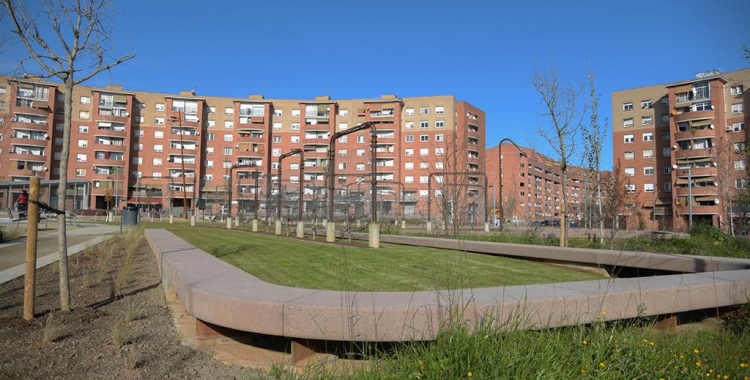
{"x":13,"y":254}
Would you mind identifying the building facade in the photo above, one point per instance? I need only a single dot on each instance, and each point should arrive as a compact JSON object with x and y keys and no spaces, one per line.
{"x":681,"y":148}
{"x":532,"y":189}
{"x":186,"y":152}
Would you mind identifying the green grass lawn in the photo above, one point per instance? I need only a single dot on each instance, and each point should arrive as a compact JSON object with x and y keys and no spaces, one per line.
{"x":317,"y":265}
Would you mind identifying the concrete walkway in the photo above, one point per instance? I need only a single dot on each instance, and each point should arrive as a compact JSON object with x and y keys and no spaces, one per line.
{"x":13,"y":254}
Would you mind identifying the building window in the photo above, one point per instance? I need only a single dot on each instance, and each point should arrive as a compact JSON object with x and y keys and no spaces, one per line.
{"x":424,"y":152}
{"x":228,"y":124}
{"x":424,"y":165}
{"x":227,"y":151}
{"x":276,"y":152}
{"x":629,"y":139}
{"x":439,"y":124}
{"x":209,"y":150}
{"x":424,"y":124}
{"x":360,"y":167}
{"x":736,"y":90}
{"x":627,"y":123}
{"x":439,"y":151}
{"x":343,"y":126}
{"x":647,"y":120}
{"x":629,"y":172}
{"x":423,"y":179}
{"x":740,"y":183}
{"x":80,"y":172}
{"x":424,"y":138}
{"x":278,"y":113}
{"x":439,"y":137}
{"x":360,"y":152}
{"x":409,"y":138}
{"x":229,"y":111}
{"x":343,"y":152}
{"x":409,"y":179}
{"x":648,"y":170}
{"x":277,"y":126}
{"x":424,"y":110}
{"x":159,"y":106}
{"x":295,"y":126}
{"x":344,"y":113}
{"x":439,"y":110}
{"x":343,"y":139}
{"x":80,"y":157}
{"x":646,"y":104}
{"x":295,"y":113}
{"x":630,"y":188}
{"x":85,"y":114}
{"x":627,"y":106}
{"x":666,"y":152}
{"x":739,"y":165}
{"x":665,"y":136}
{"x":409,"y":124}
{"x":668,"y":187}
{"x":157,"y":161}
{"x":408,"y":152}
{"x":83,"y":129}
{"x":83,"y":143}
{"x":648,"y":136}
{"x":211,"y":123}
{"x":409,"y":111}
{"x":408,"y":166}
{"x":137,"y":160}
{"x":228,"y":137}
{"x":737,"y":108}
{"x":85,"y":100}
{"x":648,"y":153}
{"x":295,"y":139}
{"x":667,"y":170}
{"x":159,"y":121}
{"x":277,"y":139}
{"x":738,"y":127}
{"x":739,"y":147}
{"x":629,"y":155}
{"x":360,"y":139}
{"x":423,"y":193}
{"x":665,"y":118}
{"x":158,"y":148}
{"x":648,"y":187}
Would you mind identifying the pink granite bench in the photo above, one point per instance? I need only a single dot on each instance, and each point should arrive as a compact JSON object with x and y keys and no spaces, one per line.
{"x":223,"y":295}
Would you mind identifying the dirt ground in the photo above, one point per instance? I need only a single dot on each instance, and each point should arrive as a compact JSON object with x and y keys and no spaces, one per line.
{"x":120,"y":326}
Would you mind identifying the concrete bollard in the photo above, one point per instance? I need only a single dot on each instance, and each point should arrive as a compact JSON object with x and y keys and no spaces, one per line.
{"x":277,"y":230}
{"x":403,"y":224}
{"x":330,"y":231}
{"x":374,"y":235}
{"x":300,"y":229}
{"x":255,"y":225}
{"x":236,"y":221}
{"x":429,"y":226}
{"x":192,"y":220}
{"x":486,"y":227}
{"x":171,"y":219}
{"x":229,"y":223}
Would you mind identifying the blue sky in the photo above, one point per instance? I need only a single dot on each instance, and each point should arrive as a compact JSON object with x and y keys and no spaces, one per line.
{"x":483,"y":51}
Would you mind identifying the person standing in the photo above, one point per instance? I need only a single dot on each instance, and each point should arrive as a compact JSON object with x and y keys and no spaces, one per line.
{"x":22,"y":203}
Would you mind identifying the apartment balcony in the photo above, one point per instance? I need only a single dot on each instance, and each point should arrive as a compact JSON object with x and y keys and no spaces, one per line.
{"x":189,"y":117}
{"x":692,"y":115}
{"x":473,"y":129}
{"x":113,"y":114}
{"x":30,"y":141}
{"x":34,"y":107}
{"x":692,"y":153}
{"x":114,"y":147}
{"x":695,"y":134}
{"x":409,"y":199}
{"x":27,"y":155}
{"x":15,"y":172}
{"x":697,"y":190}
{"x":30,"y":123}
{"x":111,"y":132}
{"x":250,"y":120}
{"x":699,"y":210}
{"x":251,"y":138}
{"x":382,"y":115}
{"x":696,"y":173}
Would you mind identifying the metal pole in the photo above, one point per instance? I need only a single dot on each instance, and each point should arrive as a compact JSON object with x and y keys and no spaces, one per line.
{"x":373,"y":175}
{"x":255,"y":204}
{"x":300,"y":200}
{"x":690,"y":199}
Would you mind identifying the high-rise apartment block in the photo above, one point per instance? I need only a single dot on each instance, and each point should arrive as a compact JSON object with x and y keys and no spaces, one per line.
{"x":181,"y":151}
{"x":681,"y":148}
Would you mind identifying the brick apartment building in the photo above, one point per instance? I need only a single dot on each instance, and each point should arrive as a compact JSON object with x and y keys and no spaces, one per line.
{"x":681,"y":148}
{"x":532,"y":187}
{"x":169,"y":151}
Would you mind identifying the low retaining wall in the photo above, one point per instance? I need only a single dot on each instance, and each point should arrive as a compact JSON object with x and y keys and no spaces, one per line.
{"x":221,"y":294}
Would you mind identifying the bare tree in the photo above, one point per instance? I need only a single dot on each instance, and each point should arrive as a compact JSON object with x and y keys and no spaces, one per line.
{"x":564,"y":108}
{"x":616,"y":196}
{"x":594,"y":136}
{"x":76,"y":42}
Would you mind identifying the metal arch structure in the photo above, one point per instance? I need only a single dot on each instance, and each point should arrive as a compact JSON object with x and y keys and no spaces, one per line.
{"x":429,"y":190}
{"x":293,"y":152}
{"x":373,"y":167}
{"x":500,"y":175}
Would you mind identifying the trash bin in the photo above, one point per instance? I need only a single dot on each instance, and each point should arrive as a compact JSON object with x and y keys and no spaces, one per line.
{"x":130,"y":216}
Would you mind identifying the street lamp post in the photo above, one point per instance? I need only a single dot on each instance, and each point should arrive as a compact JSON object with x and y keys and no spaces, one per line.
{"x":501,"y":215}
{"x":690,"y":195}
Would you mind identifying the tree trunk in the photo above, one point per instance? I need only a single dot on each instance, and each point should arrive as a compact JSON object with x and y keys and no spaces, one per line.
{"x":62,"y":238}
